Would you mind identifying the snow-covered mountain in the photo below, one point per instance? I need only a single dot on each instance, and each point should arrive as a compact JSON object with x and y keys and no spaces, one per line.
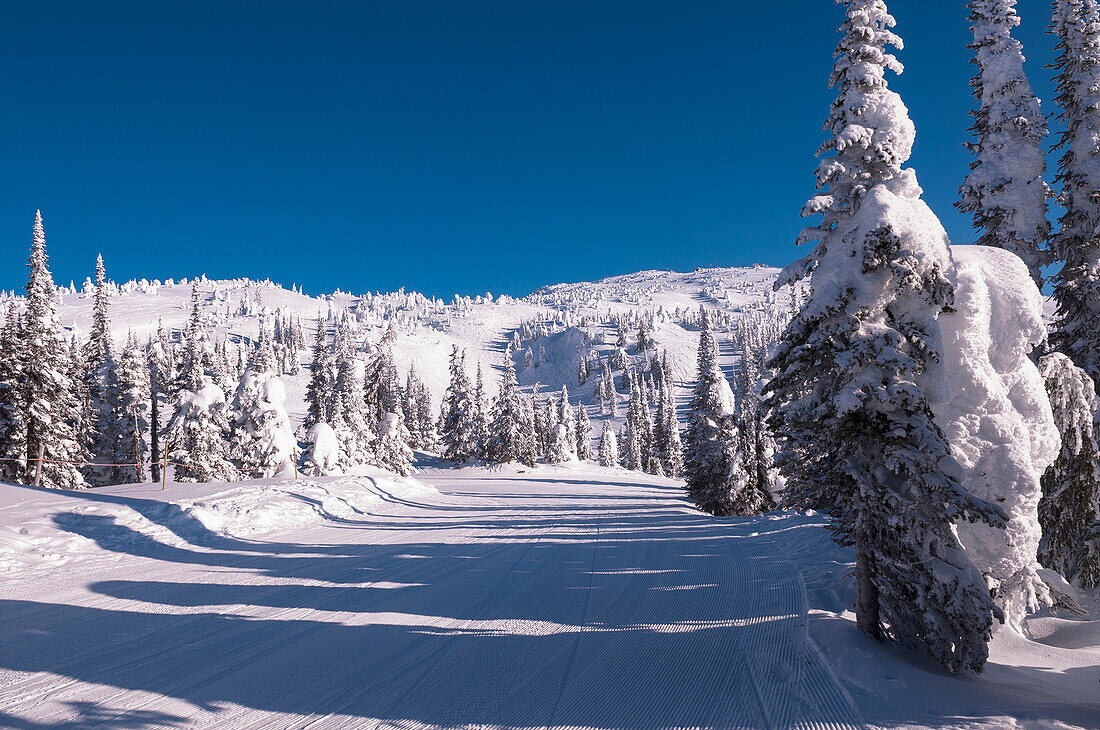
{"x":577,"y":319}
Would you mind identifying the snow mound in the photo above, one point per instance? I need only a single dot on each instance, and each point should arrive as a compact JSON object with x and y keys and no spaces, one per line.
{"x":998,"y":419}
{"x":271,"y":506}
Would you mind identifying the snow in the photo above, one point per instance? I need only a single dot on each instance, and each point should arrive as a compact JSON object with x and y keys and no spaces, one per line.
{"x":326,"y":447}
{"x":369,"y":601}
{"x":998,"y":418}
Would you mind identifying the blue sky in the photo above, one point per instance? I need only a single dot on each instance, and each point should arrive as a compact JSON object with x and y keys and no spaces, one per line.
{"x":443,"y":146}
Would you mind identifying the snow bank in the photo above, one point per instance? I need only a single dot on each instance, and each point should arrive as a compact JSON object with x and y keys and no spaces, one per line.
{"x":264,"y":506}
{"x":43,"y":529}
{"x":998,"y":419}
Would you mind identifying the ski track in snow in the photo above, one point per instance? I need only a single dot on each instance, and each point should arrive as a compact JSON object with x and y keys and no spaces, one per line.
{"x":565,"y":600}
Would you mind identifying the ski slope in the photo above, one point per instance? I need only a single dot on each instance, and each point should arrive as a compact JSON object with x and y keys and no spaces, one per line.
{"x":565,"y":597}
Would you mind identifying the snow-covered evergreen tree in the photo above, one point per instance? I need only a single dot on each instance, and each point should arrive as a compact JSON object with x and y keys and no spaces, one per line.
{"x":858,"y":366}
{"x":350,"y":419}
{"x":263,"y":438}
{"x":49,"y":405}
{"x":480,"y":418}
{"x":198,"y":436}
{"x":457,"y":431}
{"x":1004,"y":191}
{"x":1070,"y":508}
{"x":12,"y":431}
{"x":712,"y":469}
{"x":1076,"y":327}
{"x":131,"y":414}
{"x":508,"y":429}
{"x":609,"y":447}
{"x":583,"y":430}
{"x":392,"y":450}
{"x":418,"y":412}
{"x":319,"y":389}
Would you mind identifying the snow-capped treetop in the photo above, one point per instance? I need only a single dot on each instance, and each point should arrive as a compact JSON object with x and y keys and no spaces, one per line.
{"x":1077,"y":284}
{"x":870,"y":133}
{"x":1005,"y":191}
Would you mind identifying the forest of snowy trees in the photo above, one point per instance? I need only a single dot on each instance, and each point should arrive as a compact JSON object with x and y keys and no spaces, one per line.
{"x":838,"y":403}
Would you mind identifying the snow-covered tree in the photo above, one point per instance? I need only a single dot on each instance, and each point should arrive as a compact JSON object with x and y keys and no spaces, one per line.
{"x":1070,"y":509}
{"x":100,"y":378}
{"x":49,"y":406}
{"x":319,"y":389}
{"x":712,"y":470}
{"x":858,"y":366}
{"x":508,"y":427}
{"x":392,"y":450}
{"x":480,"y":417}
{"x":263,"y":438}
{"x":457,"y":429}
{"x":131,"y":413}
{"x":418,"y":412}
{"x":1004,"y":191}
{"x":198,"y":436}
{"x":322,"y":453}
{"x":583,"y":431}
{"x":609,"y":447}
{"x":1076,"y":327}
{"x":757,"y":445}
{"x":195,"y":361}
{"x":350,"y":419}
{"x":12,"y":433}
{"x":561,"y":445}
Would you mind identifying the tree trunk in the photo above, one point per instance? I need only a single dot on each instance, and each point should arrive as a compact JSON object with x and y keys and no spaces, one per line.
{"x":867,"y":618}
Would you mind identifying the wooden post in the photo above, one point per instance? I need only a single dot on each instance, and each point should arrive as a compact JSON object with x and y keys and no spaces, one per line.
{"x":38,"y":471}
{"x":294,"y":456}
{"x":164,"y":471}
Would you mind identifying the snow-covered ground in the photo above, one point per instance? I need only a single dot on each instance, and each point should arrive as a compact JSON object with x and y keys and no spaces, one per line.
{"x":555,"y":597}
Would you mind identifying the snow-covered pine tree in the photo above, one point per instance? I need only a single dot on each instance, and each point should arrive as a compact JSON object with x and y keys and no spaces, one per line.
{"x":319,"y":389}
{"x":632,"y":445}
{"x":1076,"y":328}
{"x":757,"y":446}
{"x":609,"y":446}
{"x":131,"y":414}
{"x":82,"y":419}
{"x":457,"y":431}
{"x":1069,"y":511}
{"x":858,"y":365}
{"x":565,"y":415}
{"x":583,"y":431}
{"x":480,"y":418}
{"x":350,"y":419}
{"x":711,"y":469}
{"x":49,"y":405}
{"x":508,"y":430}
{"x":100,"y":376}
{"x":418,"y":412}
{"x":1004,"y":191}
{"x":12,"y":431}
{"x":195,"y":361}
{"x":392,"y":450}
{"x":198,"y":436}
{"x":561,"y":446}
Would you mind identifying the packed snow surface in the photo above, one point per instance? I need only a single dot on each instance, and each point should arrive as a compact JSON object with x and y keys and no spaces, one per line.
{"x":567,"y":596}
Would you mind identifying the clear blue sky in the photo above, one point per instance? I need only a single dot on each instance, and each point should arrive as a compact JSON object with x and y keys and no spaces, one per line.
{"x":444,"y":146}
